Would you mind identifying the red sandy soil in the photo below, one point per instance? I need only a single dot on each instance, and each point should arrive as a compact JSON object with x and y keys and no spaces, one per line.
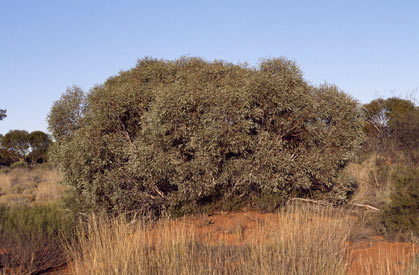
{"x":237,"y":228}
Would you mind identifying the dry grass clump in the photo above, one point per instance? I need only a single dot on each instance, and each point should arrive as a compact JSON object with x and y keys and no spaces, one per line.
{"x":304,"y":240}
{"x":390,"y":184}
{"x":299,"y":240}
{"x":22,"y":186}
{"x":47,"y":192}
{"x":373,"y":176}
{"x":11,"y":200}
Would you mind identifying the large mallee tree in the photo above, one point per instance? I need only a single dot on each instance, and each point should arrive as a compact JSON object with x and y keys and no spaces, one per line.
{"x":188,"y":131}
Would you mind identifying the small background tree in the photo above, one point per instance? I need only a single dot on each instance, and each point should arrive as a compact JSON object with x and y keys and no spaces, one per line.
{"x":16,"y":141}
{"x":19,"y":145}
{"x":39,"y":143}
{"x":393,"y":125}
{"x":2,"y":114}
{"x":390,"y":168}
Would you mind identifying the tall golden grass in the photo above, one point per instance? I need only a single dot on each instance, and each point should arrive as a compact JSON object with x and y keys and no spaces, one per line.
{"x":299,"y":240}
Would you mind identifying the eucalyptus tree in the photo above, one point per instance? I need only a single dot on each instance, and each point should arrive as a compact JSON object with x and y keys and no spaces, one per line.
{"x":192,"y":132}
{"x":16,"y":141}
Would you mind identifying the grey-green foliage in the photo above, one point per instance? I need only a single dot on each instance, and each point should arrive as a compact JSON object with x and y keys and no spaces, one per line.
{"x":65,"y":114}
{"x":190,"y":130}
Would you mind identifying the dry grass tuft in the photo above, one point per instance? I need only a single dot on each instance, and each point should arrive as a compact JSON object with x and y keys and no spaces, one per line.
{"x":29,"y":186}
{"x":298,"y":240}
{"x":373,"y":176}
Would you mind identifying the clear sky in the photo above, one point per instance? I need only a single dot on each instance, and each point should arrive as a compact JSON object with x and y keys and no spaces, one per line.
{"x":367,"y":48}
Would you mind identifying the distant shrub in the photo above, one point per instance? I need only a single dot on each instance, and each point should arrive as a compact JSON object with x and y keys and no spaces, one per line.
{"x":30,"y":238}
{"x":21,"y":145}
{"x":190,"y":132}
{"x":402,"y":214}
{"x":393,"y":125}
{"x":19,"y":164}
{"x":24,"y":186}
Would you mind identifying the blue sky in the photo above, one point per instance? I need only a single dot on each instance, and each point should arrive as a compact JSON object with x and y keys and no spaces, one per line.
{"x":367,"y":48}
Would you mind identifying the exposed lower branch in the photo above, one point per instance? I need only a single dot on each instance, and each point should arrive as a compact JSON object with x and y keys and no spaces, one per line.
{"x":324,"y":203}
{"x":365,"y":206}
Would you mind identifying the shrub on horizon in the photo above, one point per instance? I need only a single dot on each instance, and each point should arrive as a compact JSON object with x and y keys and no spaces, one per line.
{"x":19,"y":164}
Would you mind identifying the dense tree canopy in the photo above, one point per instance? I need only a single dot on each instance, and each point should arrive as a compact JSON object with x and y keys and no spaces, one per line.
{"x":21,"y":145}
{"x":7,"y":157}
{"x":167,"y":132}
{"x":39,"y":143}
{"x":16,"y":141}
